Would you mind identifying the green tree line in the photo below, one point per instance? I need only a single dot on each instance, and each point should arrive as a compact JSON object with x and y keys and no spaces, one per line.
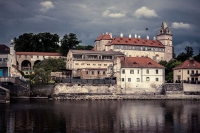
{"x":47,"y":42}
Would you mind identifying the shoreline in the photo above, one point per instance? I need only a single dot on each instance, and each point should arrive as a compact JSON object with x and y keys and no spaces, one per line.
{"x":127,"y":97}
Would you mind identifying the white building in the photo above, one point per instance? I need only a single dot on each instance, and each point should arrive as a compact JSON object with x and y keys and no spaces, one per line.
{"x":140,"y":74}
{"x":157,"y":49}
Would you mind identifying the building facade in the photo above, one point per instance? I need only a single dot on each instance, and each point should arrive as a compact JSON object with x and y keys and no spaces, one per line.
{"x":8,"y":61}
{"x":88,"y":64}
{"x":141,"y":74}
{"x":156,"y":49}
{"x":27,"y":60}
{"x":187,"y":72}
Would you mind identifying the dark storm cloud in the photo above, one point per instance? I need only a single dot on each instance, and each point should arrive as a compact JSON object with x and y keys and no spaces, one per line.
{"x":88,"y":19}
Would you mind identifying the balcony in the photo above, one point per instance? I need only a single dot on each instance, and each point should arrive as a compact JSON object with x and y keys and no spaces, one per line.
{"x":195,"y":74}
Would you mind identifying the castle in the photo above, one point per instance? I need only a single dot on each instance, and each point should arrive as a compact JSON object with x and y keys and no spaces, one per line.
{"x":160,"y":48}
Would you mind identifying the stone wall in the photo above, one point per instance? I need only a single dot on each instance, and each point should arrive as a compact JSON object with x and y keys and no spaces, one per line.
{"x":191,"y":88}
{"x":84,"y":89}
{"x":41,"y":90}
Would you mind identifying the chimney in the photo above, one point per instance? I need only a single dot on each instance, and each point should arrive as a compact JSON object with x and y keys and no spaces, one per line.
{"x":147,"y":37}
{"x":154,"y":38}
{"x":129,"y":36}
{"x":121,"y":35}
{"x":139,"y":36}
{"x":106,"y":33}
{"x":110,"y":35}
{"x":135,"y":35}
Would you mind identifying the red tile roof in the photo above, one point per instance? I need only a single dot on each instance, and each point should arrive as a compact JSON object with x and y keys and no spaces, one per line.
{"x":139,"y":62}
{"x":188,"y":64}
{"x":104,"y":37}
{"x":135,"y":42}
{"x":39,"y":53}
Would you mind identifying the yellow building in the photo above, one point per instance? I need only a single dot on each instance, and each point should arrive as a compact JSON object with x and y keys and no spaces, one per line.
{"x":88,"y":64}
{"x":187,"y":72}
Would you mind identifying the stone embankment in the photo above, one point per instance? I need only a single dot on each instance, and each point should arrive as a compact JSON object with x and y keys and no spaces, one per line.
{"x":125,"y":97}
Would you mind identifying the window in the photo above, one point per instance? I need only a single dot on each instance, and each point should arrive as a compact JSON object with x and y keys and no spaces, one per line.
{"x":88,"y":64}
{"x":19,"y":56}
{"x":0,"y":59}
{"x":138,"y":79}
{"x":98,"y":72}
{"x":82,"y":63}
{"x":156,"y":79}
{"x":138,"y":71}
{"x":99,"y":64}
{"x":94,"y":64}
{"x":5,"y":59}
{"x":104,"y":72}
{"x":147,"y":79}
{"x":25,"y":56}
{"x":156,"y":71}
{"x":92,"y":72}
{"x":147,"y":71}
{"x":123,"y":71}
{"x":196,"y":71}
{"x":105,"y":64}
{"x":86,"y":72}
{"x":188,"y":71}
{"x":192,"y":71}
{"x":131,"y":71}
{"x":37,"y":56}
{"x":122,"y":79}
{"x":31,"y":56}
{"x":76,"y":63}
{"x":129,"y":79}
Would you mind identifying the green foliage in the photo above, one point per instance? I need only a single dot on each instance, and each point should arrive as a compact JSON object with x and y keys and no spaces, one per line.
{"x":42,"y":42}
{"x":80,"y":47}
{"x":69,"y":42}
{"x":169,"y":68}
{"x":51,"y":64}
{"x":41,"y":76}
{"x":186,"y":55}
{"x":197,"y":57}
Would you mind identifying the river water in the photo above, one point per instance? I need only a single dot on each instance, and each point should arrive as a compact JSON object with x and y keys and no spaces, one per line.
{"x":100,"y":116}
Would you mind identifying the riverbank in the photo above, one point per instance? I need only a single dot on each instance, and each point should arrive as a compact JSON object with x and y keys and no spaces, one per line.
{"x":126,"y":97}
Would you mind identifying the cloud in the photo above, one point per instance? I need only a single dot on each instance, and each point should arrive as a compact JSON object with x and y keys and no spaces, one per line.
{"x":144,"y":12}
{"x":181,"y":47}
{"x":46,"y":5}
{"x":181,"y":25}
{"x":107,"y":13}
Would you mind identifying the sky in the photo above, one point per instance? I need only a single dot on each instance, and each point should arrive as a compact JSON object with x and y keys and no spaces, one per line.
{"x":88,"y":19}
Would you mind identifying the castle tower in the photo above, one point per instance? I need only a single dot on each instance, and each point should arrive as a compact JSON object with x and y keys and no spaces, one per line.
{"x":165,"y":37}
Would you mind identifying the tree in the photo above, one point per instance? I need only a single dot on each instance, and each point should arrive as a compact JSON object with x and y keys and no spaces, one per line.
{"x":189,"y":51}
{"x":51,"y":64}
{"x":42,"y":42}
{"x":169,"y":68}
{"x":69,"y":42}
{"x":81,"y":47}
{"x":182,"y":57}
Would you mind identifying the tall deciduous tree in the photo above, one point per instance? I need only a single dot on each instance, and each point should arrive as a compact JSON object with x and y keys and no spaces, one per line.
{"x":189,"y":52}
{"x":69,"y":42}
{"x":42,"y":42}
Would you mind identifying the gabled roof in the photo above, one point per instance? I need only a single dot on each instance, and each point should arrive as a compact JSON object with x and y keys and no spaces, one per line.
{"x":39,"y":53}
{"x":139,"y":62}
{"x":135,"y":42}
{"x":87,"y":52}
{"x":104,"y":37}
{"x":188,"y":64}
{"x":4,"y":49}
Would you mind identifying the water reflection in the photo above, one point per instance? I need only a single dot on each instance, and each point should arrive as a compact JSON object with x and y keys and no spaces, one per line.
{"x":101,"y":116}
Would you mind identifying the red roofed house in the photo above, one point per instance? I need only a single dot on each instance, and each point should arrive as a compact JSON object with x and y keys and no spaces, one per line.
{"x":160,"y":49}
{"x":188,"y":72}
{"x":139,"y":74}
